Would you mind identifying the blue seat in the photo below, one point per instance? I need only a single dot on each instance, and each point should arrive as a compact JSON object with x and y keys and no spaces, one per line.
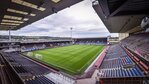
{"x":139,"y":71}
{"x":132,"y":73}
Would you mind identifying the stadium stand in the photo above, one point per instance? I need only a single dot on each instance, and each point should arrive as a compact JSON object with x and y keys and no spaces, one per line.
{"x":117,"y":64}
{"x":7,"y":74}
{"x":139,"y":44}
{"x":138,"y":49}
{"x":25,"y":68}
{"x":96,"y":41}
{"x":40,"y":80}
{"x":42,"y":45}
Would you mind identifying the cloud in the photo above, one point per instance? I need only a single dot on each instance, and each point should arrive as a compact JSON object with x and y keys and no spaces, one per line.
{"x":81,"y":17}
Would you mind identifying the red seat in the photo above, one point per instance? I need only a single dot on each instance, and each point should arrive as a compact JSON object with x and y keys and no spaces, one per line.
{"x":136,"y":59}
{"x":144,"y":65}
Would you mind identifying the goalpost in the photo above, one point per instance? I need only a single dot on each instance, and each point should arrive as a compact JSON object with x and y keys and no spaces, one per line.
{"x":30,"y":54}
{"x":38,"y":56}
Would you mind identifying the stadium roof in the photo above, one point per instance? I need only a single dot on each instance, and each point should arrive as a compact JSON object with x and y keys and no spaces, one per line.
{"x":16,"y":14}
{"x":121,"y":16}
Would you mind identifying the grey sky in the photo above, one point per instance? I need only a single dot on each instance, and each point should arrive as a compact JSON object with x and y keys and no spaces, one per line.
{"x":81,"y":17}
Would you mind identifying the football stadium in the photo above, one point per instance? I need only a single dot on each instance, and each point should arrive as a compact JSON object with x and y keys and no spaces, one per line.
{"x":42,"y":43}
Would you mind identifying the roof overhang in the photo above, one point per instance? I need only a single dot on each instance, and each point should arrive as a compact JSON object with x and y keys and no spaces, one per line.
{"x":120,"y":16}
{"x":16,"y":14}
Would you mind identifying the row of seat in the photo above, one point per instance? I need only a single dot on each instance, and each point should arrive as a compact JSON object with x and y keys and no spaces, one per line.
{"x":91,"y":42}
{"x":118,"y":64}
{"x":120,"y":72}
{"x":20,"y":69}
{"x":27,"y":69}
{"x":31,"y":47}
{"x":40,"y":80}
{"x":25,"y":64}
{"x":115,"y":63}
{"x":139,"y":44}
{"x":139,"y":62}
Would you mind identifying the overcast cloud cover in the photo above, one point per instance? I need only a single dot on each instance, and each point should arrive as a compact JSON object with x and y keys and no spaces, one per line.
{"x":81,"y":17}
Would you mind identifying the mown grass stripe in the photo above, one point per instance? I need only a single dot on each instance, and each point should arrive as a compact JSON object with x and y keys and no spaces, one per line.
{"x":70,"y":59}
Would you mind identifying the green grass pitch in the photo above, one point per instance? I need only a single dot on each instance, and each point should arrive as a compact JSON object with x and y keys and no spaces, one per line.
{"x":72,"y":59}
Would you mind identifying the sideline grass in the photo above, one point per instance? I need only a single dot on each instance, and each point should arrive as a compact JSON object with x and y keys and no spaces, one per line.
{"x":70,"y":59}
